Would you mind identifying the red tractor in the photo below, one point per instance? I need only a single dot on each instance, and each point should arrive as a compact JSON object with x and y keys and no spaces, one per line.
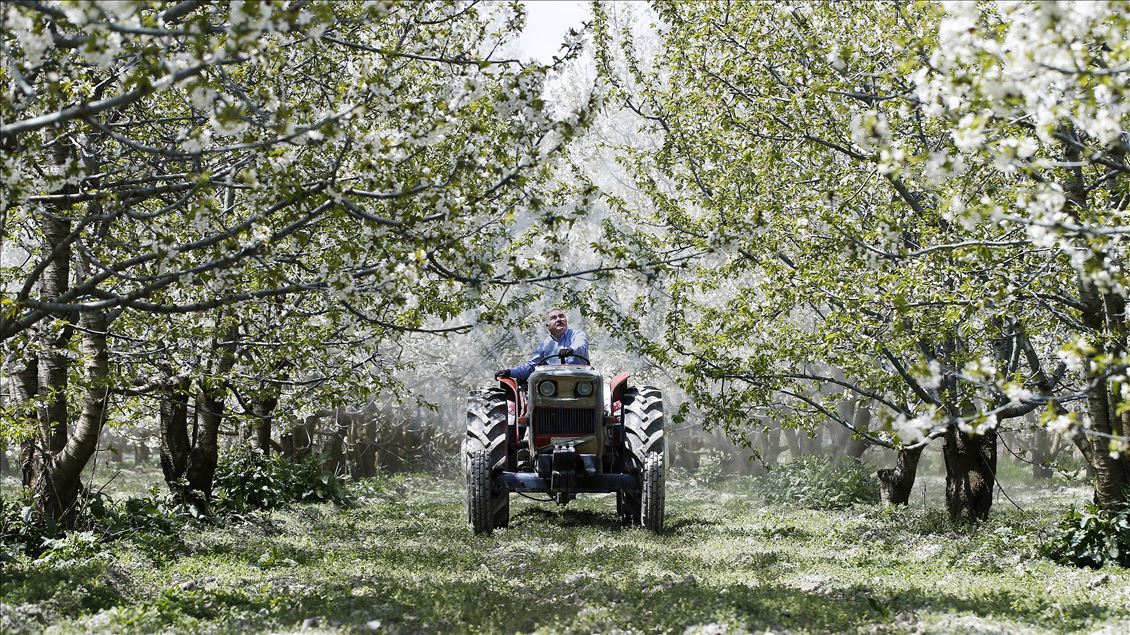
{"x":561,"y":437}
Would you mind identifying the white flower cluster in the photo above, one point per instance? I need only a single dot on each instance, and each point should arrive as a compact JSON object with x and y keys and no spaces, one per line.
{"x":917,"y":428}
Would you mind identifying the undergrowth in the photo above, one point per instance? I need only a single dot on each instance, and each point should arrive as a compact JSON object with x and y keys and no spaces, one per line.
{"x":246,"y":480}
{"x":1092,"y":537}
{"x":245,"y":483}
{"x":818,"y":482}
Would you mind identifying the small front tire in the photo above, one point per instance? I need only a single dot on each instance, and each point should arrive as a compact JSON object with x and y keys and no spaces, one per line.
{"x":480,"y":507}
{"x":654,"y":493}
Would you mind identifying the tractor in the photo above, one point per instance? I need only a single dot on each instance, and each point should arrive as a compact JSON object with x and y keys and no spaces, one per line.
{"x":559,"y":436}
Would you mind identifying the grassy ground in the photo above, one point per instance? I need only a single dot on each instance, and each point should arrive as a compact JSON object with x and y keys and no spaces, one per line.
{"x":403,"y":561}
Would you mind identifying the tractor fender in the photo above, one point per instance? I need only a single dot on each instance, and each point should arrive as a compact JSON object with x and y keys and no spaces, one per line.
{"x":616,"y":389}
{"x":510,"y":387}
{"x":514,"y":397}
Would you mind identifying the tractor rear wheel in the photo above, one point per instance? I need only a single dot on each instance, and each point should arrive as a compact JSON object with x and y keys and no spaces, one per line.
{"x":484,"y":454}
{"x":643,"y":422}
{"x":654,"y":494}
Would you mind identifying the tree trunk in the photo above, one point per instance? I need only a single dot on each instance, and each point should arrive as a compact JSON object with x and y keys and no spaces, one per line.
{"x":173,"y":421}
{"x":54,"y":361}
{"x":335,"y":459}
{"x":55,"y":477}
{"x":1110,"y":473}
{"x":140,"y":453}
{"x":1105,"y":318}
{"x":792,"y":438}
{"x":845,"y":443}
{"x":297,"y":441}
{"x":897,"y":484}
{"x":856,"y":447}
{"x":971,"y":465}
{"x":26,"y":388}
{"x":210,"y":402}
{"x":1042,"y":454}
{"x":262,"y":408}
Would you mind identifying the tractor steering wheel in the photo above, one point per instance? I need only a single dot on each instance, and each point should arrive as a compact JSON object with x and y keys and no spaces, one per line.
{"x":542,"y":361}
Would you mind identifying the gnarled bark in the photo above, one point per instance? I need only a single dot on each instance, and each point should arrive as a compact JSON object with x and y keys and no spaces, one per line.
{"x":896,"y":484}
{"x":971,"y":465}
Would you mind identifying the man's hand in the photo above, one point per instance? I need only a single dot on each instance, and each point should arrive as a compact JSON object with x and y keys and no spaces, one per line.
{"x":505,"y":372}
{"x":565,"y":352}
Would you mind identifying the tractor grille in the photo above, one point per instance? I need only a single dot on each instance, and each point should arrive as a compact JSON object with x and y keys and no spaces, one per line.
{"x":564,"y":421}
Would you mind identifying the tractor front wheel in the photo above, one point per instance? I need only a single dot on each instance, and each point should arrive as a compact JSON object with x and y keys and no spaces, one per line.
{"x":480,"y":507}
{"x":502,"y":510}
{"x":654,"y":494}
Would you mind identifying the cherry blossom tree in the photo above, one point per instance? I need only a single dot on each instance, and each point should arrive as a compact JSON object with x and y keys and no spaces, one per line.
{"x":869,"y":210}
{"x":325,"y":171}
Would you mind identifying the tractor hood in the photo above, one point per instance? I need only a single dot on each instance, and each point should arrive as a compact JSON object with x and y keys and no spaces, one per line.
{"x":566,"y":387}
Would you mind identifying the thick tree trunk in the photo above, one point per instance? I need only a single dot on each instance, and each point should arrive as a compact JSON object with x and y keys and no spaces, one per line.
{"x":173,"y":421}
{"x":365,"y":449}
{"x":210,"y":402}
{"x":1110,"y":473}
{"x":54,"y":362}
{"x":297,"y":442}
{"x":897,"y":484}
{"x":27,"y":387}
{"x":55,"y":478}
{"x":1105,"y":317}
{"x":971,"y":465}
{"x":335,"y":459}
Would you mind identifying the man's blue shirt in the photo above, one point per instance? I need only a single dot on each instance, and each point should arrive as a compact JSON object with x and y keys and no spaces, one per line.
{"x":575,"y":340}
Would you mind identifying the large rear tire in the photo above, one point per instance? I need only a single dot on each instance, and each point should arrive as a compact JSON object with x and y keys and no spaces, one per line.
{"x":643,"y":422}
{"x":484,"y":454}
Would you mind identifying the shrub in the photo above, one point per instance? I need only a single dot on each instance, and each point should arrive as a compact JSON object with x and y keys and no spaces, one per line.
{"x":23,"y":529}
{"x":27,"y":531}
{"x":1092,"y":537}
{"x":247,"y":480}
{"x":709,"y":468}
{"x":818,"y":482}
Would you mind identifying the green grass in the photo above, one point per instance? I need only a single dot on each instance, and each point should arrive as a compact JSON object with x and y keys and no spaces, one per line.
{"x":403,"y":557}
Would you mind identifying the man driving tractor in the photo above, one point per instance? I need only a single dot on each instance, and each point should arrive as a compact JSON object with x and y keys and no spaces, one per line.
{"x":552,"y":425}
{"x":562,"y":343}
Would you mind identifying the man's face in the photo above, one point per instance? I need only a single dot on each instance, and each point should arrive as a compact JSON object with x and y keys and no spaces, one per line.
{"x":556,"y":322}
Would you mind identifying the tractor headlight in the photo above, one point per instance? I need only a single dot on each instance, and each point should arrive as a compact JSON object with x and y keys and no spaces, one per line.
{"x":547,"y":388}
{"x":584,"y":389}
